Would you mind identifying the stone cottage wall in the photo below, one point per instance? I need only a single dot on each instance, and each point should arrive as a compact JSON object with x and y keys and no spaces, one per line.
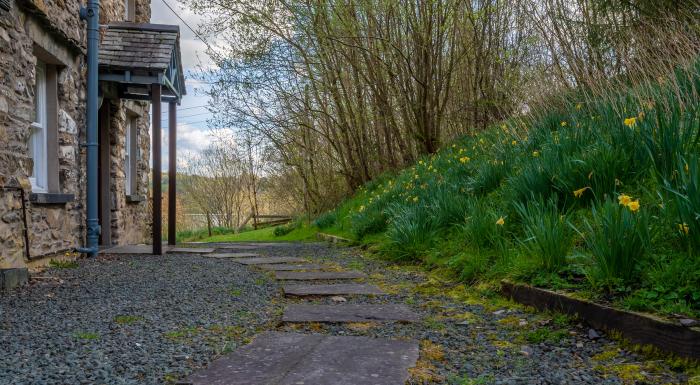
{"x":55,"y":27}
{"x":52,"y":228}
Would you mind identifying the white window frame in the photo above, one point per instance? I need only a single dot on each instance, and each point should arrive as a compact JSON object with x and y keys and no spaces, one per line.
{"x":37,"y":139}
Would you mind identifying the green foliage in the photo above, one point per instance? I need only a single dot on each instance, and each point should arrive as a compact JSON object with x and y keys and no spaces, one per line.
{"x":687,"y":200}
{"x":367,"y":222}
{"x":618,"y":240}
{"x":548,"y":237}
{"x":127,"y":319}
{"x":412,"y":230}
{"x":282,"y":230}
{"x":326,"y":220}
{"x":480,"y":228}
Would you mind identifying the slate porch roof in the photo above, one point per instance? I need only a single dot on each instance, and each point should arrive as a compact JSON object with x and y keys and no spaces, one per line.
{"x":138,"y":55}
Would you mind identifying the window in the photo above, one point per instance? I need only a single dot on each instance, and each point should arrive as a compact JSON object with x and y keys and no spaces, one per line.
{"x":37,"y":139}
{"x":131,"y":157}
{"x":129,"y":10}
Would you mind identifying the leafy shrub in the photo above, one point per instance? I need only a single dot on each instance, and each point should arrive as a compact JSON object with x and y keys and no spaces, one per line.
{"x":687,"y":199}
{"x":283,"y":230}
{"x":617,"y":239}
{"x":412,"y":230}
{"x":326,"y":220}
{"x":548,"y":236}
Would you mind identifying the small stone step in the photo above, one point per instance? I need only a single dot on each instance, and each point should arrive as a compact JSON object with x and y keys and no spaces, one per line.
{"x":299,"y":266}
{"x":235,"y":247}
{"x":276,"y":358}
{"x":231,"y":255}
{"x":189,"y":250}
{"x":332,"y":289}
{"x":268,"y":260}
{"x":348,"y":313}
{"x":318,"y":275}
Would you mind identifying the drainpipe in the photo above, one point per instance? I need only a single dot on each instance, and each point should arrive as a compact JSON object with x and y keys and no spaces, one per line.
{"x":91,"y":14}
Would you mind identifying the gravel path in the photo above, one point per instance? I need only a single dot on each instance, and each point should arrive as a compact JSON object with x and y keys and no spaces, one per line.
{"x":129,"y":320}
{"x":152,"y":320}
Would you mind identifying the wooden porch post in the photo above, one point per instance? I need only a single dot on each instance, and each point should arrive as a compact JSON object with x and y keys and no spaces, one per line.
{"x":172,"y":171}
{"x":157,"y":198}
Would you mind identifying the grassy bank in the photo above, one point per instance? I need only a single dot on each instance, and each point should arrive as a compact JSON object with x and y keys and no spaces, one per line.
{"x":598,"y":196}
{"x":268,"y":234}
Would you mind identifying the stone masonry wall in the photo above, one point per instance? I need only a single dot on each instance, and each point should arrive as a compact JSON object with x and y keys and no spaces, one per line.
{"x":54,"y":26}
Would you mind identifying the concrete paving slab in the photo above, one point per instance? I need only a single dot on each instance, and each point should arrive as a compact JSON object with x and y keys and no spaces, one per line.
{"x":298,"y":266}
{"x":331,"y":289}
{"x":348,"y":313}
{"x":189,"y":250}
{"x":318,"y":275}
{"x":268,"y":260}
{"x":276,"y":358}
{"x":231,"y":255}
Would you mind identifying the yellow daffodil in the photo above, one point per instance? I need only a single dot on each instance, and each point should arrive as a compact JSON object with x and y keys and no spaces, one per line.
{"x":464,"y":159}
{"x":535,"y":154}
{"x":501,"y":221}
{"x":633,"y":206}
{"x":683,"y":227}
{"x":631,"y":122}
{"x":514,"y":142}
{"x":362,"y":208}
{"x":579,"y":193}
{"x":624,"y":199}
{"x":415,"y":199}
{"x":579,"y":106}
{"x":563,"y":124}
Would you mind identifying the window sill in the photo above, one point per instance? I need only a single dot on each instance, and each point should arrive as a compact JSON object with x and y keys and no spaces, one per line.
{"x":135,"y":198}
{"x":50,"y":198}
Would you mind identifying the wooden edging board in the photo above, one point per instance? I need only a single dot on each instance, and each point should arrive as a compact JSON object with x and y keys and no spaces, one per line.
{"x":636,"y":327}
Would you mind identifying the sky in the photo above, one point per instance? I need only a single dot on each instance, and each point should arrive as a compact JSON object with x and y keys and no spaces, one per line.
{"x":192,"y":131}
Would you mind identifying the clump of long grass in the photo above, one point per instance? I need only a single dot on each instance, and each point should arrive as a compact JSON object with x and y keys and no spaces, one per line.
{"x":548,"y":238}
{"x":412,"y":231}
{"x":617,"y":238}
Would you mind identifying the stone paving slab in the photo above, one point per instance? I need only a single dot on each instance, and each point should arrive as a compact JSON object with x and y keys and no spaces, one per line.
{"x":236,"y":247}
{"x":189,"y":250}
{"x":131,"y":249}
{"x":299,"y":266}
{"x":276,"y":358}
{"x":332,"y":289}
{"x":348,"y":313}
{"x":268,"y":260}
{"x":231,"y":255}
{"x":318,"y":275}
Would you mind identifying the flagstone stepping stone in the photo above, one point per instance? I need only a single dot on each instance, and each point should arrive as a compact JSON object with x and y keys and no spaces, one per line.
{"x":236,"y":247}
{"x":332,"y":289}
{"x":317,"y":275}
{"x":232,"y":255}
{"x":276,"y":358}
{"x":348,"y":313}
{"x":268,"y":260}
{"x":299,"y":266}
{"x":189,"y":250}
